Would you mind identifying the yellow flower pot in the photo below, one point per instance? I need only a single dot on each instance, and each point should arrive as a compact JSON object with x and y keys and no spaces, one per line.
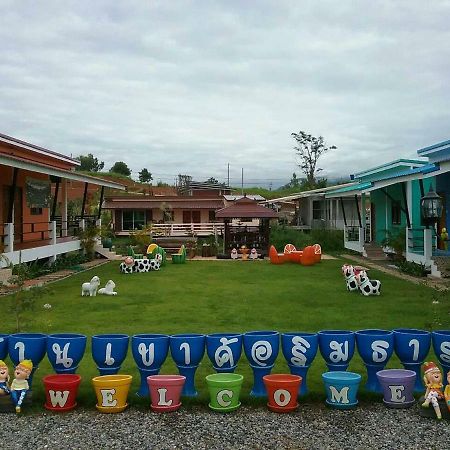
{"x":112,"y":392}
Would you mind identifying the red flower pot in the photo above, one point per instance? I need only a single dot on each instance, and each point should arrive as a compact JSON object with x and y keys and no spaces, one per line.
{"x":282,"y":391}
{"x":61,"y":391}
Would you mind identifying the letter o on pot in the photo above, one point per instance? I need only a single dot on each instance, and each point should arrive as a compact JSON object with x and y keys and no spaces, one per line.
{"x":282,"y":397}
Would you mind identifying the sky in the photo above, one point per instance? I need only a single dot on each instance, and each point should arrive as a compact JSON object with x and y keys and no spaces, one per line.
{"x":191,"y":87}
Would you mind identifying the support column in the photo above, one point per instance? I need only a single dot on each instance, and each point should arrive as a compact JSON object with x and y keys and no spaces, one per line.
{"x":84,"y":200}
{"x":64,"y":218}
{"x":427,"y":244}
{"x":12,"y":196}
{"x":9,"y":238}
{"x":53,"y":235}
{"x":56,"y":180}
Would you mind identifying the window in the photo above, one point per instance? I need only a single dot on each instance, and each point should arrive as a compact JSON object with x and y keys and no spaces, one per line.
{"x":317,"y":210}
{"x":35,"y":211}
{"x":212,"y":215}
{"x":396,"y":214}
{"x":133,"y":219}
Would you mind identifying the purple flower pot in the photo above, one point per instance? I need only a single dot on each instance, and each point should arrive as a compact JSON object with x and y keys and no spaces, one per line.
{"x":398,"y":387}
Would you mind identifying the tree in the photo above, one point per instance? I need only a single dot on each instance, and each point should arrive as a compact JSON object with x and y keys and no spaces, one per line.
{"x":309,"y":149}
{"x":212,"y":180}
{"x":121,"y":168}
{"x":145,"y":176}
{"x":89,"y":163}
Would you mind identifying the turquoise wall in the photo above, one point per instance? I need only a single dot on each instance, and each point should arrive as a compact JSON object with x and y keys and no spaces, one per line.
{"x":443,"y":187}
{"x":383,"y":208}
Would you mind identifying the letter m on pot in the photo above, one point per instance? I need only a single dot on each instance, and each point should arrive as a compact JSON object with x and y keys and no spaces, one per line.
{"x":339,"y":396}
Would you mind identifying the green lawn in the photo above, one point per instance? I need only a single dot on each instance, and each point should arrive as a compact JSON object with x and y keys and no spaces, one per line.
{"x":219,"y":296}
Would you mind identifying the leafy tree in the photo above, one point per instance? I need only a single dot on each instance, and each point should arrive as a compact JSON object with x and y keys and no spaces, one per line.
{"x":121,"y":168}
{"x":161,"y":183}
{"x":145,"y":176}
{"x":309,"y":149}
{"x":89,"y":164}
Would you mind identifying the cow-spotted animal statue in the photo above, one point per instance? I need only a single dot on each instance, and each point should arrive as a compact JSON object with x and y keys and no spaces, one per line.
{"x":366,"y":286}
{"x":350,"y":277}
{"x":131,"y":265}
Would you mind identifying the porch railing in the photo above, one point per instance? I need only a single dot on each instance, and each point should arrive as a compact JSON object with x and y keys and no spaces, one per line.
{"x":354,"y":238}
{"x":420,"y":244}
{"x":184,"y":229}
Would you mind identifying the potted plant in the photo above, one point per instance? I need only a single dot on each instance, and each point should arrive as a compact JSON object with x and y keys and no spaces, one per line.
{"x":191,"y":248}
{"x":107,"y":235}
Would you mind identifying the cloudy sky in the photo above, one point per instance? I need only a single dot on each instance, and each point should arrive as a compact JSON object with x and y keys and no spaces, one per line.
{"x":192,"y":86}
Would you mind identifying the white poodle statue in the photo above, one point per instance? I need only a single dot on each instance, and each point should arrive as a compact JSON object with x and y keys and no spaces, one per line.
{"x":90,"y":289}
{"x":108,"y":289}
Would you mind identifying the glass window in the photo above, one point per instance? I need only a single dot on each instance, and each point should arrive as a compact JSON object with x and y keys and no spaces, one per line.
{"x":212,"y":215}
{"x":35,"y":211}
{"x":317,"y":210}
{"x":133,"y":220}
{"x":396,"y":214}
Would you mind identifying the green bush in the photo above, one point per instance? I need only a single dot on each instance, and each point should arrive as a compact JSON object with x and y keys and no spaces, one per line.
{"x":412,"y":268}
{"x":330,"y":240}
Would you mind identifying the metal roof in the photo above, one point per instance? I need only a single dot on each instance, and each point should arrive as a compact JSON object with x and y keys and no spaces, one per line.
{"x":245,"y":208}
{"x":26,"y":164}
{"x":157,"y":202}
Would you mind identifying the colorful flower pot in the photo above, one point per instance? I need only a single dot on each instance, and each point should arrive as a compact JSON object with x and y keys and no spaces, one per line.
{"x":224,"y":390}
{"x":109,"y":352}
{"x":187,"y":351}
{"x":375,"y":348}
{"x":3,"y":345}
{"x":261,"y":349}
{"x":299,"y":349}
{"x":112,"y":392}
{"x":65,"y":351}
{"x":61,"y":391}
{"x":165,"y":392}
{"x":398,"y":387}
{"x":341,"y":388}
{"x":224,"y":351}
{"x":149,"y":352}
{"x":441,"y":347}
{"x":337,"y":348}
{"x":27,"y":346}
{"x":412,"y":347}
{"x":282,"y":392}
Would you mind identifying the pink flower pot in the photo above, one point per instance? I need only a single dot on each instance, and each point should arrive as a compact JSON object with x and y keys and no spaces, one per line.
{"x":165,"y":392}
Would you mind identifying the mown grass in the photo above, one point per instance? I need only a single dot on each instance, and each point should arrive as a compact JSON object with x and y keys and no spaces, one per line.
{"x":219,"y":296}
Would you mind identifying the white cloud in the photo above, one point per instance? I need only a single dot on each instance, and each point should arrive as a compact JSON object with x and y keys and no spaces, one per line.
{"x":188,"y":87}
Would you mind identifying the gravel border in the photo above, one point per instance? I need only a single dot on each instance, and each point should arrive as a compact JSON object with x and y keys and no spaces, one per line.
{"x":313,"y":426}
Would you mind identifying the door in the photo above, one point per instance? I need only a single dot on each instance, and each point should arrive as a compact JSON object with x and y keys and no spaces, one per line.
{"x":186,"y":217}
{"x":196,"y":216}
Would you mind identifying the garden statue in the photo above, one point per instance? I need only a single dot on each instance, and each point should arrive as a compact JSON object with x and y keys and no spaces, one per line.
{"x":234,"y":254}
{"x":444,"y":239}
{"x":366,"y":286}
{"x":19,"y":386}
{"x":90,"y":288}
{"x":108,"y":289}
{"x":253,"y":254}
{"x":4,"y":379}
{"x":350,"y":278}
{"x":447,"y":391}
{"x":433,"y":382}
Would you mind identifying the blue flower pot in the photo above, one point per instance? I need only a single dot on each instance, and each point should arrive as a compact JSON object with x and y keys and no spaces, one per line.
{"x":3,"y":345}
{"x":375,"y":348}
{"x":65,"y":351}
{"x":109,"y":352}
{"x":412,"y":347}
{"x":441,"y":346}
{"x":341,"y":388}
{"x":299,"y":350}
{"x":27,"y":346}
{"x":187,"y":351}
{"x":261,"y":349}
{"x":149,"y":352}
{"x":337,"y":348}
{"x":224,"y":351}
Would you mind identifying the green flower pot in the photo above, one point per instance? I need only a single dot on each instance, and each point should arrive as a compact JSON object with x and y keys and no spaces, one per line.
{"x":224,"y":390}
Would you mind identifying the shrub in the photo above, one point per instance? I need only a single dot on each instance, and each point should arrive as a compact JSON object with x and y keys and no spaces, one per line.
{"x":330,"y":240}
{"x":412,"y":268}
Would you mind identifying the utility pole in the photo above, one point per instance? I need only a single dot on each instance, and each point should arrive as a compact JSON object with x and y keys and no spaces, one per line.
{"x":228,"y":185}
{"x":242,"y":181}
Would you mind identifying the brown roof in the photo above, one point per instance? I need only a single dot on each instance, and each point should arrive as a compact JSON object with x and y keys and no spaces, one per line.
{"x":245,"y":208}
{"x":157,"y":202}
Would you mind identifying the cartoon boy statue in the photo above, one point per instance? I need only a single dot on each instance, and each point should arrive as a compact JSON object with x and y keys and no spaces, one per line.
{"x":433,"y":381}
{"x":447,"y":391}
{"x":444,"y":239}
{"x":19,"y":386}
{"x":4,"y":379}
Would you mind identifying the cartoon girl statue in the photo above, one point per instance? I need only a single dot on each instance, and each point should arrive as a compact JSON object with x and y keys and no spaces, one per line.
{"x":447,"y":391}
{"x":4,"y":379}
{"x":432,"y":379}
{"x":20,"y":386}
